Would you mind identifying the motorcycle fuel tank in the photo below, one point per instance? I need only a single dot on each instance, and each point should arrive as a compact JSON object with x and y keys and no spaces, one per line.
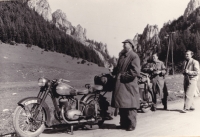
{"x":65,"y":89}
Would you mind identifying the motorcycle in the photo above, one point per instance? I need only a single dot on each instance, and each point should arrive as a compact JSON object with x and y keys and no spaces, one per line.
{"x":32,"y":114}
{"x":146,"y":98}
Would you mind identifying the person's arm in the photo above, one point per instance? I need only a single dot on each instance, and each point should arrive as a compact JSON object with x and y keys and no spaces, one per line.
{"x":114,"y":72}
{"x":194,"y":72}
{"x":135,"y":67}
{"x":163,"y":69}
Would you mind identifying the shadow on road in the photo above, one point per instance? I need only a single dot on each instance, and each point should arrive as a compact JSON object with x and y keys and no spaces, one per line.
{"x":59,"y":129}
{"x":108,"y":126}
{"x":176,"y":110}
{"x":66,"y":129}
{"x":9,"y":135}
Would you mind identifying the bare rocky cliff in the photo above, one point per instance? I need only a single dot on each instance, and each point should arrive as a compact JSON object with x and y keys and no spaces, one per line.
{"x":41,"y":7}
{"x":148,"y":42}
{"x":80,"y":33}
{"x":192,"y":6}
{"x":60,"y":20}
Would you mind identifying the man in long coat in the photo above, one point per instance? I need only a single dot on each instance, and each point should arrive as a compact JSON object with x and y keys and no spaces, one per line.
{"x":157,"y":71}
{"x":126,"y":92}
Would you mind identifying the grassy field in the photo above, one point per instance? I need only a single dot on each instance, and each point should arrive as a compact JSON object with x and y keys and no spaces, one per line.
{"x":21,"y":67}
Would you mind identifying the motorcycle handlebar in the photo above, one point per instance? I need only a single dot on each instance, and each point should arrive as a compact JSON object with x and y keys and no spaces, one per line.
{"x":65,"y":80}
{"x":61,"y":80}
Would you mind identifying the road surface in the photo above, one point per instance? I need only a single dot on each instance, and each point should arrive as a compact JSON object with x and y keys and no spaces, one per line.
{"x":151,"y":124}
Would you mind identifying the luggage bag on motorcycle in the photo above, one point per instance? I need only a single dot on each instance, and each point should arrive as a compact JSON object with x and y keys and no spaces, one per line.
{"x":106,"y":80}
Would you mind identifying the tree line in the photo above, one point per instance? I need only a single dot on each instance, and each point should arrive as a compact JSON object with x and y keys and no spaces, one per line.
{"x":184,"y":35}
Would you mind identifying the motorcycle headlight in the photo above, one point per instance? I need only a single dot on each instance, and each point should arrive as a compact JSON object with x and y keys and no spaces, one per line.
{"x":42,"y":82}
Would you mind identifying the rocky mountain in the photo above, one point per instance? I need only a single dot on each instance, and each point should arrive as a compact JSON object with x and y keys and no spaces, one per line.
{"x":42,"y":7}
{"x":174,"y":37}
{"x":80,"y":33}
{"x":148,"y":42}
{"x":59,"y":18}
{"x":183,"y":35}
{"x":101,"y":50}
{"x":192,"y":6}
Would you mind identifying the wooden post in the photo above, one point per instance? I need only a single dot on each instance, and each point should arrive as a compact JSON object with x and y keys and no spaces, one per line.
{"x":172,"y":61}
{"x":167,"y":52}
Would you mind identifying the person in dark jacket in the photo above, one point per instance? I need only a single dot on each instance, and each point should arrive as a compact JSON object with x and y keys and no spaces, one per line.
{"x":126,"y":92}
{"x":157,"y":71}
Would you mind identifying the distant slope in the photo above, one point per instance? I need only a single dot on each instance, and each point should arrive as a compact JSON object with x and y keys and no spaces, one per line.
{"x":19,"y":63}
{"x":21,"y":24}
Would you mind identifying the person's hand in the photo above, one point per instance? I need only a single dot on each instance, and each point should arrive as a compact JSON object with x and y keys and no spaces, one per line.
{"x":151,"y":69}
{"x":186,"y":71}
{"x":157,"y":72}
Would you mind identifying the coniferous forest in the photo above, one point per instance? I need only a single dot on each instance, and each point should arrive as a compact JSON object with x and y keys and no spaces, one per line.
{"x":184,"y":35}
{"x":21,"y":24}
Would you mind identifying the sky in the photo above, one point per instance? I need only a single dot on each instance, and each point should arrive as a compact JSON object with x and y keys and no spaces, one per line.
{"x":113,"y":21}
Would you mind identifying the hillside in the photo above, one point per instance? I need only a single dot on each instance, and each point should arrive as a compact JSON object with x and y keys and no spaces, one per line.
{"x":21,"y":24}
{"x":184,"y":34}
{"x":60,"y":20}
{"x":178,"y":36}
{"x":19,"y":63}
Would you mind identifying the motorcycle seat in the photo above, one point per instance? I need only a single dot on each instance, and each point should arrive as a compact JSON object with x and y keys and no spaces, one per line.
{"x":97,"y":87}
{"x":82,"y":92}
{"x":91,"y":88}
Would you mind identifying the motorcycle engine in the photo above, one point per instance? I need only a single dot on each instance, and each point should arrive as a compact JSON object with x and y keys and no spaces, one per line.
{"x":69,"y":108}
{"x":89,"y":110}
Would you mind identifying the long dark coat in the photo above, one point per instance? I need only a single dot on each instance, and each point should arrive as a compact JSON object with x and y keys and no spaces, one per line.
{"x":126,"y":95}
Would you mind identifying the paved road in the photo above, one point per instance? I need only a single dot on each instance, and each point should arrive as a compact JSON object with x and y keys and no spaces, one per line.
{"x":159,"y":123}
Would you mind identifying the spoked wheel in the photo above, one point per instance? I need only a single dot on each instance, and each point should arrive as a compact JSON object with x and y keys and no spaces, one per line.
{"x":146,"y":107}
{"x":99,"y":113}
{"x":29,"y":121}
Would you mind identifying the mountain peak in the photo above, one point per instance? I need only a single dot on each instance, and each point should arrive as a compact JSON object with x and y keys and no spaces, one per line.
{"x":192,"y":5}
{"x":41,"y":7}
{"x":60,"y":19}
{"x":150,"y":31}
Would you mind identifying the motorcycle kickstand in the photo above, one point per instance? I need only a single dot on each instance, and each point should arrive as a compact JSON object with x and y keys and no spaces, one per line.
{"x":72,"y":129}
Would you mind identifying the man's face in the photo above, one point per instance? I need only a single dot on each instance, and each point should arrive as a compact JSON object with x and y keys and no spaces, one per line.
{"x":127,"y":46}
{"x":155,"y":57}
{"x":188,"y":55}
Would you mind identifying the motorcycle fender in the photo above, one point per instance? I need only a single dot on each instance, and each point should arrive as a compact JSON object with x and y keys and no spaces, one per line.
{"x":87,"y":98}
{"x":29,"y":100}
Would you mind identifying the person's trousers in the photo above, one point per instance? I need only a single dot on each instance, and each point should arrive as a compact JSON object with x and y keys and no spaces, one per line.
{"x":189,"y":89}
{"x":164,"y":100}
{"x":128,"y":117}
{"x":163,"y":97}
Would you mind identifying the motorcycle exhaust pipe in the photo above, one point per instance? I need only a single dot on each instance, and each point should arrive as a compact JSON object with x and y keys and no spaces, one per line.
{"x":75,"y":122}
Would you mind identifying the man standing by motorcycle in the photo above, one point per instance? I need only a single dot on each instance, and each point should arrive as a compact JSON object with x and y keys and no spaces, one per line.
{"x":126,"y":91}
{"x":157,"y":71}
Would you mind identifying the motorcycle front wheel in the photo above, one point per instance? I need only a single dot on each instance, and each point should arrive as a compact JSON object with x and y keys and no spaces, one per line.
{"x":29,"y":121}
{"x":145,"y":108}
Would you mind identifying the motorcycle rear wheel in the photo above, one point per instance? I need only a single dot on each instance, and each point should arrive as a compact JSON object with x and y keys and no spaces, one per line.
{"x":99,"y":114}
{"x":147,"y":107}
{"x":24,"y":123}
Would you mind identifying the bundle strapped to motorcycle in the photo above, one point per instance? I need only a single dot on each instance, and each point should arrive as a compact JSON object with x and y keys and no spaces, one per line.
{"x":106,"y":80}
